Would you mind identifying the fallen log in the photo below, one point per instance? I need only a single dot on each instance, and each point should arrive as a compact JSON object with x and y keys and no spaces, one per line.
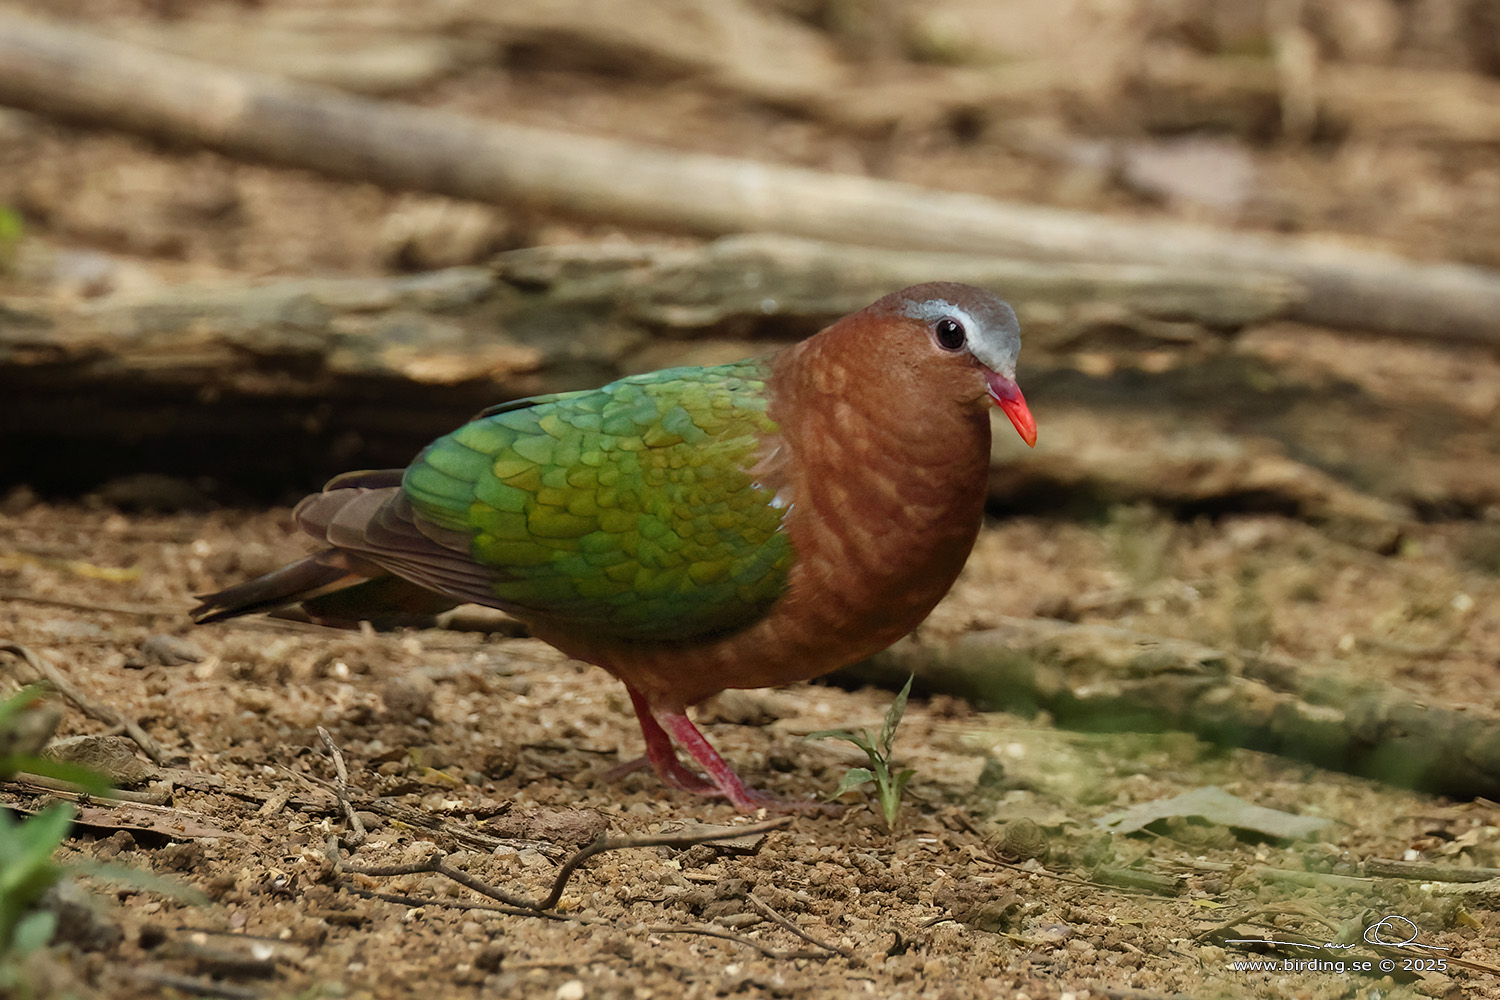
{"x":737,"y":280}
{"x":531,"y":321}
{"x":365,"y":371}
{"x":1106,"y":678}
{"x":76,"y":76}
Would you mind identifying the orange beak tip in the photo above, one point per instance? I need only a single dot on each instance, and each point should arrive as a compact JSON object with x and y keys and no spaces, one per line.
{"x":1007,"y":395}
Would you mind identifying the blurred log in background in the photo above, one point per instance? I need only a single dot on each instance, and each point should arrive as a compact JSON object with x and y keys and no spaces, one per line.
{"x":1166,"y":192}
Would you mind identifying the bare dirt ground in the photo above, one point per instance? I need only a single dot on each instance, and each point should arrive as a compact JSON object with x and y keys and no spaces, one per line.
{"x":999,"y":879}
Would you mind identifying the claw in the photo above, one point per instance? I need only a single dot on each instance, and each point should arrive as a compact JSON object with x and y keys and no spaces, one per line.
{"x":662,"y":729}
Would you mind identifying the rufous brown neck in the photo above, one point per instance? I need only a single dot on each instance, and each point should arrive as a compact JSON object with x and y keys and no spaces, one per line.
{"x":886,"y":459}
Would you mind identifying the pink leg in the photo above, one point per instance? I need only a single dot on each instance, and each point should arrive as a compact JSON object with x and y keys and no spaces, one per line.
{"x":660,"y":753}
{"x":721,"y":777}
{"x":725,"y":781}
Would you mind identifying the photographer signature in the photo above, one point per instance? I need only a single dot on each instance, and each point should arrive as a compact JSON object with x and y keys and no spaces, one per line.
{"x":1385,"y":932}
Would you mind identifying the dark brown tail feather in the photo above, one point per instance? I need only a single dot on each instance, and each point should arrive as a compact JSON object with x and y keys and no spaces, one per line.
{"x":332,"y":588}
{"x":305,"y":579}
{"x":381,"y":566}
{"x":385,"y":602}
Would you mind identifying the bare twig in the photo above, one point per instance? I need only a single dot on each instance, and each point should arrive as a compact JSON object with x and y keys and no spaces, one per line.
{"x":461,"y":904}
{"x":1045,"y":873}
{"x":775,"y":954}
{"x":86,"y":705}
{"x":154,"y":797}
{"x":275,"y":802}
{"x":704,"y":930}
{"x":434,"y":864}
{"x":357,"y":832}
{"x":434,"y":823}
{"x":196,"y":986}
{"x":783,"y":922}
{"x":1274,"y":910}
{"x":1426,"y":871}
{"x":134,"y":610}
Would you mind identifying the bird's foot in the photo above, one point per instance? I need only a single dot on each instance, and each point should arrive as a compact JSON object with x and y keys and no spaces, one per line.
{"x":751,"y":800}
{"x":671,"y":771}
{"x":721,"y":777}
{"x":660,"y":753}
{"x":661,"y":729}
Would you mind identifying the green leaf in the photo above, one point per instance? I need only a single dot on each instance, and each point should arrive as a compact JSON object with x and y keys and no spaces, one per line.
{"x":87,"y":779}
{"x":853,"y":778}
{"x":888,"y":788}
{"x":33,"y":932}
{"x":26,"y":868}
{"x":860,"y":739}
{"x":21,"y":699}
{"x":139,"y":878}
{"x":36,"y":838}
{"x":10,"y":225}
{"x":893,"y":717}
{"x":10,"y":235}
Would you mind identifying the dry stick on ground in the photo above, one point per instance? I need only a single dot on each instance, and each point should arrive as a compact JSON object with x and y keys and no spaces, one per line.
{"x":93,"y":709}
{"x":435,"y":825}
{"x":786,"y":924}
{"x":155,"y":797}
{"x":357,"y":833}
{"x":196,"y":986}
{"x":87,"y":78}
{"x":459,"y":904}
{"x":703,"y":930}
{"x":775,"y":954}
{"x":135,"y":611}
{"x":1096,"y":676}
{"x":736,"y":278}
{"x":1425,"y":871}
{"x":434,"y":864}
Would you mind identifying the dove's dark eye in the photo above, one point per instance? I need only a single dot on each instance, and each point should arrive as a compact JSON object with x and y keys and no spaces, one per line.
{"x":950,"y":333}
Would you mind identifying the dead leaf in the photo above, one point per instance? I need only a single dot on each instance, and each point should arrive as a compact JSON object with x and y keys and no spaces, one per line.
{"x":1216,"y":806}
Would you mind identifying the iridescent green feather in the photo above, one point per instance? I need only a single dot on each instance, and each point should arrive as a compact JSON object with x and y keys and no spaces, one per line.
{"x":628,"y":509}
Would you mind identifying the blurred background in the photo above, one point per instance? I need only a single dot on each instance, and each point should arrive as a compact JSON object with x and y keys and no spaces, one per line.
{"x":1255,"y":249}
{"x":155,"y":323}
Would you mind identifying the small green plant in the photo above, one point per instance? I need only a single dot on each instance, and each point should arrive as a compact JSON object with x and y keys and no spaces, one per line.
{"x":26,"y":873}
{"x":26,"y":846}
{"x":888,"y":786}
{"x":11,"y":231}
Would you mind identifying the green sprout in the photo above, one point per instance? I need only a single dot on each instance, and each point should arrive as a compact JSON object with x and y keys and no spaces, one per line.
{"x":26,"y":847}
{"x":26,"y":873}
{"x":11,"y":231}
{"x":888,"y":786}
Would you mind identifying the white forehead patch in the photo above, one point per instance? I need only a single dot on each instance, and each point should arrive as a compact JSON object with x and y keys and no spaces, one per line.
{"x":931,"y":309}
{"x":995,"y":344}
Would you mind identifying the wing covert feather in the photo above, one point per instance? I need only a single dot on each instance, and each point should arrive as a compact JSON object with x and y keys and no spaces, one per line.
{"x":630,"y":509}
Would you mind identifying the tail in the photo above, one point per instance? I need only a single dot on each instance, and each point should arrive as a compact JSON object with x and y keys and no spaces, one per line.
{"x":304,"y":580}
{"x":380,"y":567}
{"x":331,"y":588}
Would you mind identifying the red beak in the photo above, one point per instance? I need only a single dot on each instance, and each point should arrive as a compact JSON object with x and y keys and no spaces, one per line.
{"x":1007,"y":396}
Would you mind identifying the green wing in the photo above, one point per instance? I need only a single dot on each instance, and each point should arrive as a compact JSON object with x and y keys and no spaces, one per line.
{"x":629,"y":509}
